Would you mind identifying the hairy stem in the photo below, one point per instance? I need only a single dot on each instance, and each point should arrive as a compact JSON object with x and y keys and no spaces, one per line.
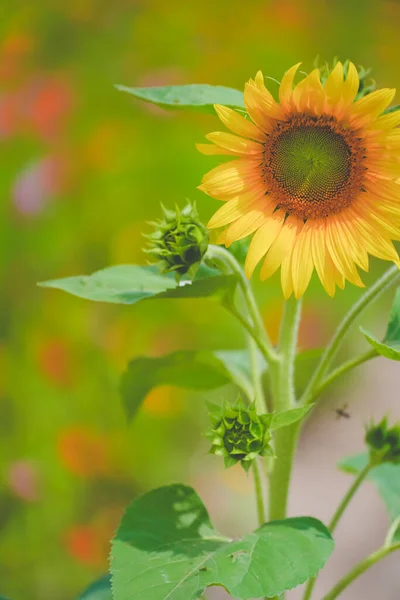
{"x":359,"y":569}
{"x":367,"y":298}
{"x":283,"y":393}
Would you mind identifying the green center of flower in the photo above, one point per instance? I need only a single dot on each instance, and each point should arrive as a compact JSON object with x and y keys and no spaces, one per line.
{"x":311,"y":163}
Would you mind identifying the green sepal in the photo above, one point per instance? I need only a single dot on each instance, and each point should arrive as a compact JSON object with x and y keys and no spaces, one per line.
{"x":179,"y":242}
{"x":389,"y":347}
{"x":383,"y":442}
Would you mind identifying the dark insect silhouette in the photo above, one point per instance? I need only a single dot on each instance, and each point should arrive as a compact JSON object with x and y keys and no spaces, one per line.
{"x":342,"y":413}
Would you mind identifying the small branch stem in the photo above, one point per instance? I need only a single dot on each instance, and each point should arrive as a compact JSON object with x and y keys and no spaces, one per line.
{"x":256,"y":328}
{"x":367,"y":298}
{"x":348,"y":496}
{"x":341,"y":370}
{"x":259,"y":493}
{"x":391,"y":533}
{"x":359,"y":569}
{"x":337,"y":516}
{"x":252,"y":332}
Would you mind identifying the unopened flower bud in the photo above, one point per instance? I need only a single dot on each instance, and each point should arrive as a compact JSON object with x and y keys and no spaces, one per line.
{"x":239,"y":434}
{"x":383,"y":443}
{"x":179,"y":241}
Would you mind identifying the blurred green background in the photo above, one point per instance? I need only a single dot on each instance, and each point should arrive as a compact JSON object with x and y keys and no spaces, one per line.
{"x":83,"y":167}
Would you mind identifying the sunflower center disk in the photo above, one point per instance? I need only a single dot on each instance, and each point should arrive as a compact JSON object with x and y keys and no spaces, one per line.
{"x":311,"y":168}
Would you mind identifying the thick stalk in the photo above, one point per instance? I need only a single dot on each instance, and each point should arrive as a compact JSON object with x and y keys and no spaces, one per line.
{"x":359,"y":569}
{"x":367,"y":298}
{"x":282,"y":385}
{"x":337,"y":516}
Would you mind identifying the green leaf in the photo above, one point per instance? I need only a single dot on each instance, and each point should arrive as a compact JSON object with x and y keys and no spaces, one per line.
{"x":201,"y":97}
{"x":189,"y":369}
{"x":288,"y":417}
{"x":390,"y":345}
{"x":100,"y":590}
{"x":128,"y":284}
{"x":167,"y":548}
{"x":385,"y":477}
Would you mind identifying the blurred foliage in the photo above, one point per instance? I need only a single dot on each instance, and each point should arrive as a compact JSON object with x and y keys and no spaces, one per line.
{"x":83,"y":168}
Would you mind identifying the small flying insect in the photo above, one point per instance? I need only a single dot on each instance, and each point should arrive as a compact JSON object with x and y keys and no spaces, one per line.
{"x":342,"y":412}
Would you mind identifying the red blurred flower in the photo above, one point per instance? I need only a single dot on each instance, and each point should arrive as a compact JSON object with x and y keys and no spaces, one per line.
{"x":85,"y":452}
{"x":84,"y":543}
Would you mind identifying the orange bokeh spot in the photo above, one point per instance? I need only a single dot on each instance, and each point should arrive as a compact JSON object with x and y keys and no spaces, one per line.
{"x":89,"y":543}
{"x":163,"y":401}
{"x":85,"y":544}
{"x":85,"y":452}
{"x":55,"y":361}
{"x":312,"y":332}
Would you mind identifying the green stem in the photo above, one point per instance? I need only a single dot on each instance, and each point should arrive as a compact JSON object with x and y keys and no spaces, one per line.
{"x":221,"y":256}
{"x":284,"y":398}
{"x":337,"y":516}
{"x":348,"y":496}
{"x":256,"y":377}
{"x":369,"y":296}
{"x":359,"y":569}
{"x":253,"y":333}
{"x":259,"y":493}
{"x":341,"y":370}
{"x":392,"y":532}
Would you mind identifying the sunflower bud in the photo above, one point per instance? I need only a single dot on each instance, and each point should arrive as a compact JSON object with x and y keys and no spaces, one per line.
{"x":179,"y":241}
{"x":383,"y":443}
{"x":366,"y":85}
{"x":239,"y":434}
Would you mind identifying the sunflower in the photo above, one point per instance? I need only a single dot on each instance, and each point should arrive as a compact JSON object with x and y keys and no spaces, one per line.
{"x":314,"y":178}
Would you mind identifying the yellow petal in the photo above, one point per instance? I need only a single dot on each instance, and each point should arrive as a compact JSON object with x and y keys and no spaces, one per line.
{"x":246,"y":224}
{"x":309,"y":94}
{"x":384,"y":189}
{"x":286,"y":87}
{"x":281,"y":246}
{"x":388,"y":121}
{"x":351,"y":85}
{"x":370,"y":106}
{"x":232,"y":210}
{"x":262,"y":240}
{"x":334,"y":83}
{"x":323,"y":266}
{"x":221,"y":239}
{"x":356,"y":250}
{"x":236,"y":144}
{"x":302,"y":263}
{"x":388,"y":168}
{"x":212,"y":150}
{"x":231,"y":178}
{"x":238,"y":124}
{"x":339,"y":252}
{"x":286,"y":276}
{"x":261,"y":110}
{"x":373,"y":241}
